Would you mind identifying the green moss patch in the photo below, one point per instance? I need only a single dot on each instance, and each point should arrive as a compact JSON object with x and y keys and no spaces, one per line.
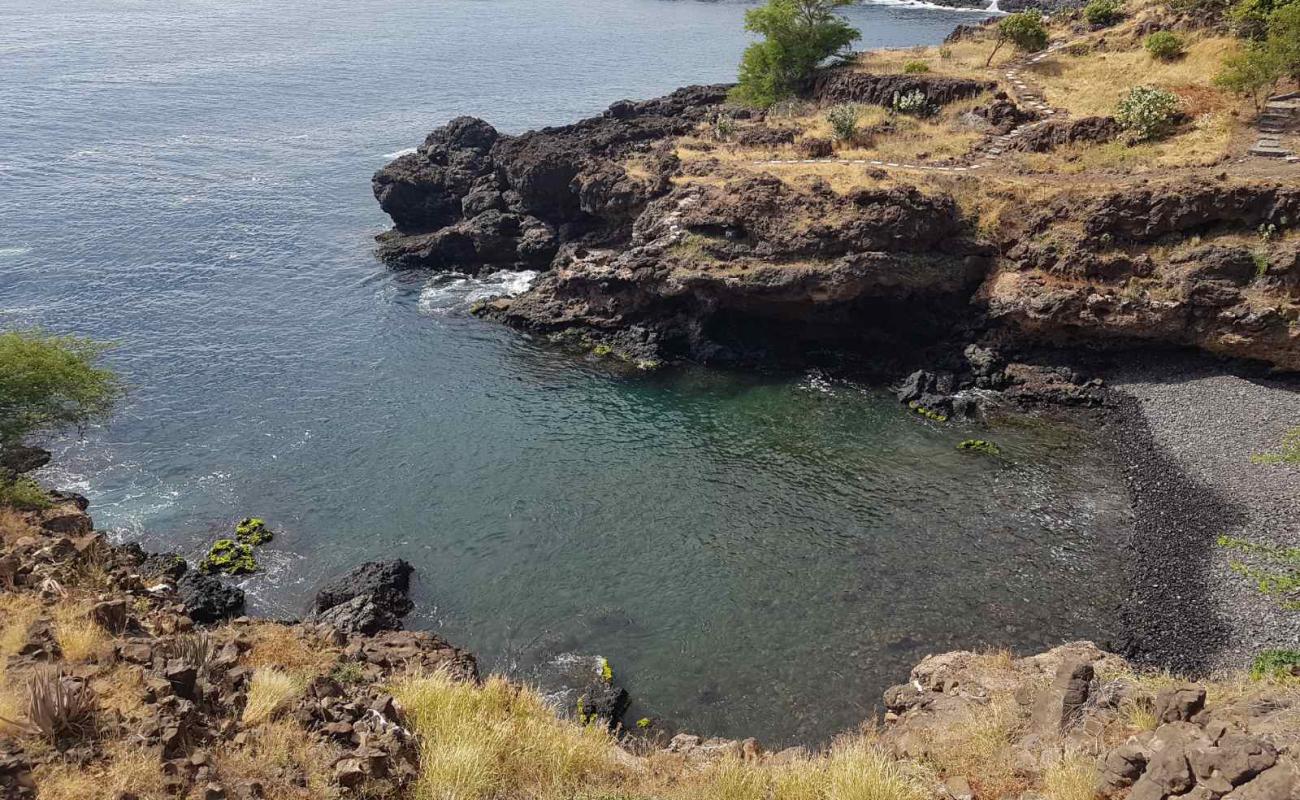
{"x":980,"y":446}
{"x":926,"y":412}
{"x":1288,"y":453}
{"x":253,"y":531}
{"x":228,"y":557}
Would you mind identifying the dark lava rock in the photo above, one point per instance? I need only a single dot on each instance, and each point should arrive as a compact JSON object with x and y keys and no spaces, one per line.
{"x":1061,"y":132}
{"x":471,"y":198}
{"x":207,"y":600}
{"x":22,"y":459}
{"x":847,"y":86}
{"x":370,"y":598}
{"x":602,"y":700}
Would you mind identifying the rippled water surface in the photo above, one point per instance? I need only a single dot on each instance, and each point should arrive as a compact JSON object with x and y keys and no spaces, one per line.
{"x":756,"y":555}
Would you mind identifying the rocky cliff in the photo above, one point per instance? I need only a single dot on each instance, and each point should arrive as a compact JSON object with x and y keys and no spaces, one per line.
{"x":653,"y":258}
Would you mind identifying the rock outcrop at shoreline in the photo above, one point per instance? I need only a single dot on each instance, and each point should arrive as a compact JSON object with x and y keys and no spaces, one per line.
{"x":1173,"y":264}
{"x":714,"y":273}
{"x":652,"y":259}
{"x":470,"y":198}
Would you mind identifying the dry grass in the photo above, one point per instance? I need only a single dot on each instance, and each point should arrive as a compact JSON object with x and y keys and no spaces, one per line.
{"x":963,"y":59}
{"x":500,"y":740}
{"x":14,"y":525}
{"x":503,"y":740}
{"x":977,"y":746}
{"x":287,"y":647}
{"x":1074,"y":777}
{"x":121,"y":689}
{"x":17,"y":613}
{"x":126,"y":769}
{"x":80,"y":639}
{"x":278,"y":754}
{"x":269,"y":692}
{"x":1092,"y":84}
{"x":1202,"y":142}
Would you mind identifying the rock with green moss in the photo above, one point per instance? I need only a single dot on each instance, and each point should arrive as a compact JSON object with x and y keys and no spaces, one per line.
{"x":229,"y":557}
{"x":253,"y":531}
{"x":928,"y":413}
{"x":980,"y":446}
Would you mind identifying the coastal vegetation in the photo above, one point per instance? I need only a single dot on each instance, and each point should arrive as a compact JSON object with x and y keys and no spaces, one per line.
{"x":798,"y":36}
{"x":51,"y":383}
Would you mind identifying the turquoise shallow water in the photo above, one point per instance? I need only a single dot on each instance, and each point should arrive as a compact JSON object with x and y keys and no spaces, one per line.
{"x":757,"y":555}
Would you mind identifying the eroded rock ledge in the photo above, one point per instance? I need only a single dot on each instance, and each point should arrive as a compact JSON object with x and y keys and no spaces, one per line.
{"x":651,"y":259}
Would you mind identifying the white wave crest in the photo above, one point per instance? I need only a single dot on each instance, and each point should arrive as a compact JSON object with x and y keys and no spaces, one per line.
{"x":453,"y":292}
{"x":405,"y":151}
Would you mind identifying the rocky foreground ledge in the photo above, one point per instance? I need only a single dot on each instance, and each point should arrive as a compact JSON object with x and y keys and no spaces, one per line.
{"x":151,"y":683}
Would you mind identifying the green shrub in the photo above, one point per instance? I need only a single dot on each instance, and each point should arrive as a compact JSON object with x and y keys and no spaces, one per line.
{"x":798,"y":35}
{"x":50,"y":383}
{"x":1147,"y":112}
{"x":24,"y":494}
{"x":1275,"y":664}
{"x":1284,"y":39}
{"x":843,"y":120}
{"x":916,"y":67}
{"x":1024,"y":29}
{"x":1103,"y":12}
{"x":1164,"y":45}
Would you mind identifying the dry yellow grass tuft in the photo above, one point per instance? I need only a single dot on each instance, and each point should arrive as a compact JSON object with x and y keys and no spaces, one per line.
{"x":286,"y":647}
{"x":977,"y":746}
{"x":278,"y":754}
{"x":500,"y":740}
{"x":1073,"y":777}
{"x":80,"y":639}
{"x":126,"y":769}
{"x":269,"y":692}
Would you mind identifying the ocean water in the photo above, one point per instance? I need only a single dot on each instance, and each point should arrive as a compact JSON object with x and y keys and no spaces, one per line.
{"x":755,"y":554}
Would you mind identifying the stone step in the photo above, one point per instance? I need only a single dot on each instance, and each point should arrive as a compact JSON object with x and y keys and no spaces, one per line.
{"x":1269,"y":152}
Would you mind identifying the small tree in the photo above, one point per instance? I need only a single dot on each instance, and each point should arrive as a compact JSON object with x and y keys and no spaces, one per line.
{"x":1252,"y":72}
{"x":1024,"y":29}
{"x":798,"y":35}
{"x":843,"y":120}
{"x":1147,"y":112}
{"x":1164,"y":45}
{"x":1284,"y":39}
{"x":49,"y":384}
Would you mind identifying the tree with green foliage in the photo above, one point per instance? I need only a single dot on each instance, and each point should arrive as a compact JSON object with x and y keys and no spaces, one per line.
{"x":51,"y":383}
{"x":1284,"y":39}
{"x":1024,"y":29}
{"x":1252,"y":72}
{"x":798,"y":35}
{"x":1250,"y":18}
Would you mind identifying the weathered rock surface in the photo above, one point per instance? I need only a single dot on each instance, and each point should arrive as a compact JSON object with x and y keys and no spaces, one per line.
{"x":1061,"y":132}
{"x":709,"y":270}
{"x":471,"y":198}
{"x":851,"y":86}
{"x":1172,"y":265}
{"x":370,"y":598}
{"x":206,"y":599}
